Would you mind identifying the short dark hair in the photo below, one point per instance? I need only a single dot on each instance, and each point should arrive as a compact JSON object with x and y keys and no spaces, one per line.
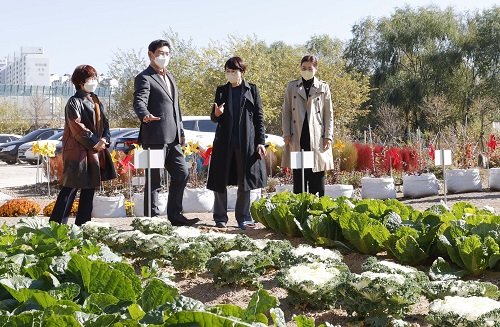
{"x":156,"y":44}
{"x":81,"y":73}
{"x":311,"y":59}
{"x":235,"y":63}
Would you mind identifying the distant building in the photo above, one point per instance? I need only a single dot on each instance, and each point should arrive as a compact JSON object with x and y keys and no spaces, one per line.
{"x":29,"y":67}
{"x":65,"y":80}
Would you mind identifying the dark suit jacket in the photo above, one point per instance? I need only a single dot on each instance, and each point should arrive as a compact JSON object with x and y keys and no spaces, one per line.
{"x":151,"y":97}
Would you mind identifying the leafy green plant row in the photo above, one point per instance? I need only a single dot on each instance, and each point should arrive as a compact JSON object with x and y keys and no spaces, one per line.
{"x":315,"y":276}
{"x":51,"y":276}
{"x":467,"y":236}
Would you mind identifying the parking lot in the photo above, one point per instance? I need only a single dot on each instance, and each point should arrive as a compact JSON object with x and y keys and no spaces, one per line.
{"x":18,"y":175}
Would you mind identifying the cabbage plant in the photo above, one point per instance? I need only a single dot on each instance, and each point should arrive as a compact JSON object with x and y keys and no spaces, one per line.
{"x":473,"y":311}
{"x":304,"y":253}
{"x":154,"y":225}
{"x":314,"y":284}
{"x":238,"y":267}
{"x":376,"y":295}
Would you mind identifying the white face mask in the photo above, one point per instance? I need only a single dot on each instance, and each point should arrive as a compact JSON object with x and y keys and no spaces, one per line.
{"x":233,"y":77}
{"x":307,"y":74}
{"x":162,"y":62}
{"x":90,"y":86}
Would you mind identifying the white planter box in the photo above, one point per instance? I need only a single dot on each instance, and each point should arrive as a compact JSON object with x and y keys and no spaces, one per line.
{"x":418,"y":186}
{"x":378,"y":188}
{"x":463,"y":180}
{"x":109,"y":207}
{"x":337,"y":190}
{"x":138,"y":199}
{"x":198,"y":200}
{"x":494,"y":179}
{"x":232,"y":194}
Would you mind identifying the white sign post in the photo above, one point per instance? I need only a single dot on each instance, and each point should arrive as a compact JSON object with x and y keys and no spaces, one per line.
{"x":302,"y":160}
{"x":446,"y":161}
{"x":148,"y":159}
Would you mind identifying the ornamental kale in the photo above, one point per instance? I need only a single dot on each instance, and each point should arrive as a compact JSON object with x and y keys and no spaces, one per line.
{"x":239,"y":267}
{"x":464,"y":311}
{"x":378,"y":294}
{"x":191,"y":257}
{"x":97,"y":231}
{"x":442,"y":288}
{"x":304,"y":253}
{"x":155,"y":225}
{"x":314,"y":284}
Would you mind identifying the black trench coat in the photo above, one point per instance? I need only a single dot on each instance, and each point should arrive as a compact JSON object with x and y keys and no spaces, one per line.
{"x":222,"y":172}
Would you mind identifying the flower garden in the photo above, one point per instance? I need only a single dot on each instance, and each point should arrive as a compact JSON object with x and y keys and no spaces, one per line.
{"x":63,"y":275}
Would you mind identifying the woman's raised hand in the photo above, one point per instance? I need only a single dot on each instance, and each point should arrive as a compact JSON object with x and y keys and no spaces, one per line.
{"x":219,"y":110}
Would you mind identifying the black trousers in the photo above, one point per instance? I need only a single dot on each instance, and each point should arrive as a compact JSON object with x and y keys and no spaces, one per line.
{"x":314,"y":182}
{"x":242,"y":208}
{"x":176,"y":166}
{"x":64,"y":202}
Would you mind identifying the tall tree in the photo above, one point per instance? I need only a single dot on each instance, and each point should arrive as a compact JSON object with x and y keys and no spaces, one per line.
{"x":124,"y":66}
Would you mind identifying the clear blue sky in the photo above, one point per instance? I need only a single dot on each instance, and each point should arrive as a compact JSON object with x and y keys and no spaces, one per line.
{"x":90,"y":31}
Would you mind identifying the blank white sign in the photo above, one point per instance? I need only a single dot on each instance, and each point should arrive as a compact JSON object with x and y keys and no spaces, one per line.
{"x":157,"y":158}
{"x":296,"y":161}
{"x":447,"y":157}
{"x":138,"y":180}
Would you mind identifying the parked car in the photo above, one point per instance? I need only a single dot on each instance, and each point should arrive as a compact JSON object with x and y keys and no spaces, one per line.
{"x":114,"y":133}
{"x":8,"y":151}
{"x":5,"y":138}
{"x":25,"y":151}
{"x":202,"y":129}
{"x":199,"y":129}
{"x":125,"y":142}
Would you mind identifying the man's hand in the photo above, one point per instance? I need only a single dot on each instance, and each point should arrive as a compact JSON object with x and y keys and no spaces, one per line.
{"x":327,"y":143}
{"x":287,"y":139}
{"x":219,"y":110}
{"x":149,"y":118}
{"x":261,"y":150}
{"x":101,"y":145}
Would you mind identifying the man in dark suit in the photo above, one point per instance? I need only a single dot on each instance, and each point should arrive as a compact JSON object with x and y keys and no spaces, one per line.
{"x":156,"y":103}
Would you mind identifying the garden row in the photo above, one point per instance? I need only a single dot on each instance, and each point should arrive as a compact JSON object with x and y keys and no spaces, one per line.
{"x":465,"y":235}
{"x":59,"y":275}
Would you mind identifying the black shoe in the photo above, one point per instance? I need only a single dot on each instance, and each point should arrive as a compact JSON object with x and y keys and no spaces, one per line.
{"x":184,"y":221}
{"x":220,"y":224}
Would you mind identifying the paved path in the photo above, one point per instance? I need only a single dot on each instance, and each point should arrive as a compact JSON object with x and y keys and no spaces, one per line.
{"x":19,"y":175}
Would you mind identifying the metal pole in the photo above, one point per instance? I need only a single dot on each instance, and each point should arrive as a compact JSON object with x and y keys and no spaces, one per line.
{"x":38,"y":179}
{"x":444,"y":174}
{"x":149,"y":182}
{"x":302,"y":169}
{"x":48,"y":174}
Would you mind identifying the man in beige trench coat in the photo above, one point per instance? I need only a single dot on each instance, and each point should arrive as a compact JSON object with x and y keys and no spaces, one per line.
{"x":307,"y":122}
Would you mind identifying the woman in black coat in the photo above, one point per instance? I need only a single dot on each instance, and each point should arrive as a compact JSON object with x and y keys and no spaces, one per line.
{"x":239,"y":145}
{"x":86,"y":159}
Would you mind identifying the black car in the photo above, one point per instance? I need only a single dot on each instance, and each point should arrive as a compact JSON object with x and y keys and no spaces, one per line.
{"x":115,"y":133}
{"x":5,"y":138}
{"x":8,"y":151}
{"x":125,"y":142}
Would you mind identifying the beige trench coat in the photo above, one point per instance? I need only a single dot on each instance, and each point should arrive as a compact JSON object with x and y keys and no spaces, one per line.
{"x":320,"y":118}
